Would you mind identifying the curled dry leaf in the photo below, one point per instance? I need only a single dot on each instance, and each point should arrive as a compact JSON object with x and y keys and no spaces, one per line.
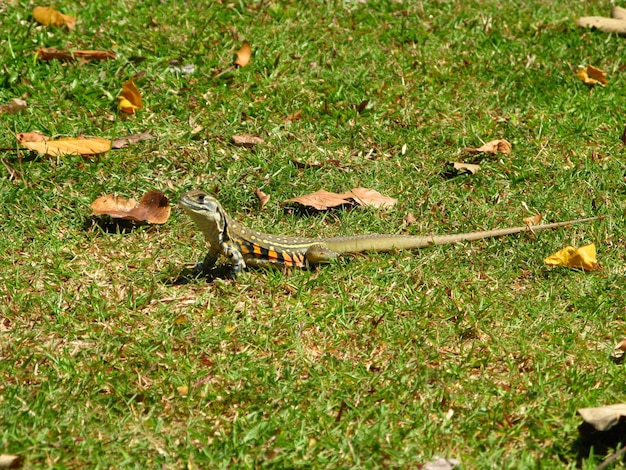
{"x":460,"y":168}
{"x":247,"y":140}
{"x":495,"y":146}
{"x":294,"y":116}
{"x":580,"y":258}
{"x":263,"y":198}
{"x":50,"y":17}
{"x":243,"y":55}
{"x":51,"y":53}
{"x":592,"y":76}
{"x":130,"y":139}
{"x":10,"y":461}
{"x":153,"y":207}
{"x":619,"y":352}
{"x":14,"y":106}
{"x":130,"y":98}
{"x":323,"y":200}
{"x":603,"y":418}
{"x":534,"y":220}
{"x":66,"y":146}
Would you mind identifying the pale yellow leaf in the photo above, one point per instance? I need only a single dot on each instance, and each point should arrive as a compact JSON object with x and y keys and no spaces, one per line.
{"x":65,"y":146}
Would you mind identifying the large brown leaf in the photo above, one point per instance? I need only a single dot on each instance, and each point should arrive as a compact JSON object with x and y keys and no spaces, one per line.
{"x":323,"y":200}
{"x":153,"y":207}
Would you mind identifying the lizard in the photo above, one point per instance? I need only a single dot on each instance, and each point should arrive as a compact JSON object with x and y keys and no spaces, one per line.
{"x":244,"y":247}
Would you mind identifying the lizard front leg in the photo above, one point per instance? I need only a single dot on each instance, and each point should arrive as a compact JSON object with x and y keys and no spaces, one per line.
{"x":234,"y":255}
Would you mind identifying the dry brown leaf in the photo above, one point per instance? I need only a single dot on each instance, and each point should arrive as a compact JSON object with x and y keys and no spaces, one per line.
{"x":370,"y":197}
{"x":243,"y":55}
{"x":579,"y":258}
{"x":50,"y":17}
{"x":130,"y":139}
{"x":362,"y":105}
{"x":604,"y":417}
{"x":410,"y":219}
{"x":153,"y":207}
{"x":294,"y":116}
{"x":263,"y":198}
{"x":14,"y":106}
{"x":247,"y":140}
{"x":534,"y":220}
{"x":619,"y":352}
{"x":51,"y":53}
{"x":495,"y":146}
{"x":592,"y":76}
{"x":30,"y":137}
{"x":461,"y":167}
{"x":323,"y":200}
{"x":66,"y":146}
{"x":130,"y":98}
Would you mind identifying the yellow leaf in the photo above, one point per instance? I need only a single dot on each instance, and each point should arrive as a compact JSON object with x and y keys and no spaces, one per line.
{"x":592,"y":76}
{"x":48,"y":16}
{"x":130,"y":98}
{"x":183,"y":390}
{"x":581,"y":258}
{"x":243,"y":55}
{"x":65,"y":146}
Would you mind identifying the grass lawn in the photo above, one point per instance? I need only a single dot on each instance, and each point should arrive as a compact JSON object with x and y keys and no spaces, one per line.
{"x":110,"y":356}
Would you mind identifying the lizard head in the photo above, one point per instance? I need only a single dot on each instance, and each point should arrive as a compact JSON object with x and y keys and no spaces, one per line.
{"x":207,"y":214}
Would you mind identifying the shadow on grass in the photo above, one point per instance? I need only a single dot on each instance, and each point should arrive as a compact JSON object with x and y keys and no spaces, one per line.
{"x":210,"y":275}
{"x":600,"y":443}
{"x":110,"y":225}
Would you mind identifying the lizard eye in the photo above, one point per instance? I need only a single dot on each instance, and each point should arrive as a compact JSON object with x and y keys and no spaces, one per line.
{"x":200,"y":197}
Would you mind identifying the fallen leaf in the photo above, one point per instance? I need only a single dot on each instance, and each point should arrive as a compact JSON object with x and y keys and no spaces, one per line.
{"x":592,"y":75}
{"x":534,"y":220}
{"x":263,"y":198}
{"x":131,"y":139}
{"x":461,"y":168}
{"x":10,"y":461}
{"x":130,"y":98}
{"x":247,"y":140}
{"x":323,"y":200}
{"x":153,"y":207}
{"x":14,"y":106}
{"x":495,"y":146}
{"x":294,"y":116}
{"x":50,"y":17}
{"x":51,"y":53}
{"x":619,"y":352}
{"x":30,"y":137}
{"x":583,"y":257}
{"x":183,"y":390}
{"x":440,"y":463}
{"x":410,"y":219}
{"x":604,"y":417}
{"x":64,"y":146}
{"x":243,"y":55}
{"x":362,"y":105}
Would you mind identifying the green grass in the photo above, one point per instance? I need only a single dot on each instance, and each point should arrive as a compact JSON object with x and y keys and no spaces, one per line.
{"x":476,"y":351}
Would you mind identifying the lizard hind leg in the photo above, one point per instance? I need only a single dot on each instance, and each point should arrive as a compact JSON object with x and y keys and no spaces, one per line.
{"x":318,"y":253}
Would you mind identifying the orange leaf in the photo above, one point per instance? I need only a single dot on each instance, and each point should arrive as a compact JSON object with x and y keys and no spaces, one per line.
{"x":592,"y":76}
{"x":153,"y":207}
{"x":294,"y":116}
{"x":534,"y":220}
{"x":48,"y":16}
{"x":243,"y":55}
{"x":65,"y":146}
{"x":581,"y":258}
{"x":130,"y":98}
{"x":495,"y":146}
